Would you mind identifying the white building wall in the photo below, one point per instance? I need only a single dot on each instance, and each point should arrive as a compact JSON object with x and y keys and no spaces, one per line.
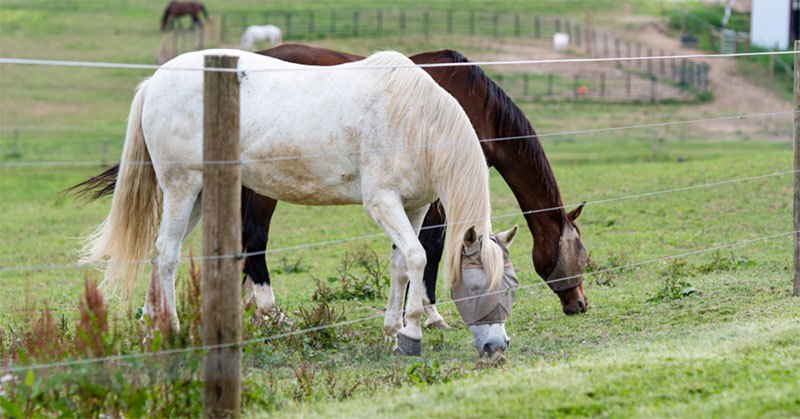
{"x":769,"y":23}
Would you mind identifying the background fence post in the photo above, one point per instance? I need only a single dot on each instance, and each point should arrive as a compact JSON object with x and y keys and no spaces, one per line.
{"x":603,"y":84}
{"x":288,"y":30}
{"x":653,"y":86}
{"x":311,"y":22}
{"x":15,"y":142}
{"x":496,"y":24}
{"x":472,"y":22}
{"x":221,"y":277}
{"x":105,"y":151}
{"x":525,"y":85}
{"x":355,"y":23}
{"x":516,"y":25}
{"x":426,"y":24}
{"x":333,"y":21}
{"x":449,"y":21}
{"x":537,"y":27}
{"x":796,"y":290}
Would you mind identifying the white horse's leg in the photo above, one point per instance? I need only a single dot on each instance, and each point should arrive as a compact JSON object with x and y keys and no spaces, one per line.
{"x":177,"y":212}
{"x":194,"y":218}
{"x":393,"y":320}
{"x":387,"y":210}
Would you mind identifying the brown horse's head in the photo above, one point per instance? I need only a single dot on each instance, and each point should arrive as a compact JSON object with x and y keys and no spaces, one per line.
{"x":566,"y":279}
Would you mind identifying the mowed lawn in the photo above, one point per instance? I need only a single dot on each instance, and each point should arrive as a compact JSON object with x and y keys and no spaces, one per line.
{"x":714,"y":333}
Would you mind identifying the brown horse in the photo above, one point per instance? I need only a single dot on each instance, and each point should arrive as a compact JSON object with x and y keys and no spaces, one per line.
{"x":176,"y":9}
{"x":557,"y":253}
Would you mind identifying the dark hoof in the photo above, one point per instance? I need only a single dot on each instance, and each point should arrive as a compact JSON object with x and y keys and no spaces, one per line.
{"x":407,"y":346}
{"x":438,"y":325}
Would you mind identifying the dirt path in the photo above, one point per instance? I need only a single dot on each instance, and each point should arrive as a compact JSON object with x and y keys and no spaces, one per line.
{"x":733,"y":94}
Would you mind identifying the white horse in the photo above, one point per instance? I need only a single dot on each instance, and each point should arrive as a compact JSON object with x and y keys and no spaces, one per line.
{"x":387,"y":138}
{"x":255,"y":33}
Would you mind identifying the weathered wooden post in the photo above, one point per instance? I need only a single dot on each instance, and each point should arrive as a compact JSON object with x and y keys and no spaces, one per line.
{"x":221,"y":277}
{"x":796,"y":291}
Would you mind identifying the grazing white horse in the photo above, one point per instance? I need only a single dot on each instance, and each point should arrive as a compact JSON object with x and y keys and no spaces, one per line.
{"x":255,"y":33}
{"x":390,"y":139}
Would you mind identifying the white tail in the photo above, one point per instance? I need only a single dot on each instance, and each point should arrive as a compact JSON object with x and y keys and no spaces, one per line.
{"x":125,"y":238}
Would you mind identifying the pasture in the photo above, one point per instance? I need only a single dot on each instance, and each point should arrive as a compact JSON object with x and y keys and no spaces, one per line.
{"x":711,"y":332}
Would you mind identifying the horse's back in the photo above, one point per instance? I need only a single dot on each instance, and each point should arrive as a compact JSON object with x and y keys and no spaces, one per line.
{"x":303,"y":128}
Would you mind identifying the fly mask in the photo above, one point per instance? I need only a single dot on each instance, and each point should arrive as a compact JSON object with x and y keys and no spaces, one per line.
{"x":475,"y":301}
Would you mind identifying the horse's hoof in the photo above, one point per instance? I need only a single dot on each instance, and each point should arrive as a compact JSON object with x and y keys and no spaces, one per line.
{"x":407,"y":346}
{"x":439,"y":324}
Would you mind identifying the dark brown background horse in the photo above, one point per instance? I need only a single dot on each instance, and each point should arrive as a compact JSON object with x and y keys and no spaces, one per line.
{"x":557,"y":253}
{"x":176,"y":9}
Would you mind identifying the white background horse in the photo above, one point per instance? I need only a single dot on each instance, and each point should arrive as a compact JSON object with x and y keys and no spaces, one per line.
{"x":256,"y":33}
{"x":390,"y":139}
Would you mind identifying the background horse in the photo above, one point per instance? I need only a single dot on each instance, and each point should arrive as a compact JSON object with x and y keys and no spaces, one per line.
{"x":256,"y":33}
{"x":176,"y":9}
{"x":557,"y":252}
{"x":403,"y":110}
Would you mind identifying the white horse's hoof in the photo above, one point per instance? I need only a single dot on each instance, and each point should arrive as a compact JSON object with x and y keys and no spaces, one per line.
{"x":407,"y":346}
{"x":438,"y":324}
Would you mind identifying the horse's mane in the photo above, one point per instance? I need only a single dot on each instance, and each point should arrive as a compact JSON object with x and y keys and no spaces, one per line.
{"x":459,"y":172}
{"x":509,"y":120}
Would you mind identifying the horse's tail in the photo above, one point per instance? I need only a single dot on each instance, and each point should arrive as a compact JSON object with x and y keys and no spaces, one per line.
{"x":96,"y":186}
{"x":125,"y":237}
{"x":165,"y":17}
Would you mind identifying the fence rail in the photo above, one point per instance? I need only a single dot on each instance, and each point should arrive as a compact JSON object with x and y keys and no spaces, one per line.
{"x":346,"y":23}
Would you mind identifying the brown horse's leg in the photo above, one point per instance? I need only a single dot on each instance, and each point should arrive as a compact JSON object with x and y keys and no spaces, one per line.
{"x":257,"y":213}
{"x":432,"y":238}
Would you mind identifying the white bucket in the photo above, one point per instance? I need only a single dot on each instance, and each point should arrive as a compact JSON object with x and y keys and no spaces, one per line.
{"x":560,"y":41}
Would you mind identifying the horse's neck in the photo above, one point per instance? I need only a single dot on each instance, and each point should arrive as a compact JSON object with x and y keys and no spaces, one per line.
{"x":525,"y":168}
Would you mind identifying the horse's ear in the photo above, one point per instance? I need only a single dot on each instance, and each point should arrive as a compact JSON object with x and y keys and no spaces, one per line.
{"x":574,"y":214}
{"x":507,"y":237}
{"x":470,"y":237}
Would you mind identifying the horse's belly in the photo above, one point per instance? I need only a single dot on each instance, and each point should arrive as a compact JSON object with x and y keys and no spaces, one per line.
{"x":302,"y":180}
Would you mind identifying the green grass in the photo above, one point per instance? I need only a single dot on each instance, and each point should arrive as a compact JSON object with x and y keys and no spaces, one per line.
{"x":729,"y":350}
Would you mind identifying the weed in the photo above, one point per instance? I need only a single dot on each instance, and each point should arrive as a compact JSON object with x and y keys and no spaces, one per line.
{"x":673,"y":287}
{"x":371,"y":285}
{"x":609,"y":270}
{"x":321,"y":314}
{"x":303,"y":384}
{"x":426,"y":373}
{"x":285,"y":266}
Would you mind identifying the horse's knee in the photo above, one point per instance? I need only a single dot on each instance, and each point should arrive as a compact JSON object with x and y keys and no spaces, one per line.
{"x":416,"y":260}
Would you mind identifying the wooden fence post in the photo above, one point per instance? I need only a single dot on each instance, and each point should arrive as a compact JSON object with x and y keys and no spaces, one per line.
{"x":333,"y":21}
{"x":221,"y":277}
{"x":796,"y":290}
{"x":355,"y":23}
{"x":450,"y":21}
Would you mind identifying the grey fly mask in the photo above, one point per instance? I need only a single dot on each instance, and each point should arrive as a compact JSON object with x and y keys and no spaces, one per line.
{"x":473,"y":298}
{"x":571,"y":262}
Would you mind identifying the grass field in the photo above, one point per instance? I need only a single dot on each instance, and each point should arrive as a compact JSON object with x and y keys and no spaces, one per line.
{"x":711,"y":334}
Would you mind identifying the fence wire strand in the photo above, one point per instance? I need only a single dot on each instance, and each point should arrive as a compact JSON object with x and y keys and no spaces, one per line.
{"x":397,"y":148}
{"x":277,"y":336}
{"x":376,"y":235}
{"x":130,"y":66}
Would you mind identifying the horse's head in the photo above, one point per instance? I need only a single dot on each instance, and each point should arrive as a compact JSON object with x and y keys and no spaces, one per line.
{"x":484,"y":307}
{"x":566,"y":279}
